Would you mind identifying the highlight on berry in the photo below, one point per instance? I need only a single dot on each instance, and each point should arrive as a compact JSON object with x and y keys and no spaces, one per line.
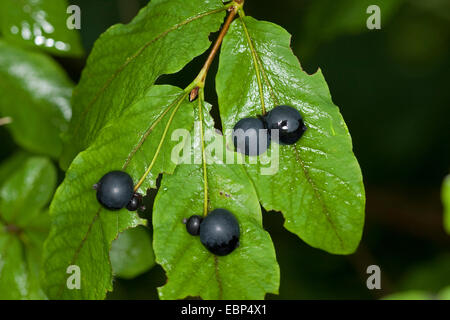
{"x":220,"y":232}
{"x":288,"y":121}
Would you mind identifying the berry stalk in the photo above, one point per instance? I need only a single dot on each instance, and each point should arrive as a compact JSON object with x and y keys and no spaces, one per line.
{"x":158,"y":150}
{"x":205,"y":175}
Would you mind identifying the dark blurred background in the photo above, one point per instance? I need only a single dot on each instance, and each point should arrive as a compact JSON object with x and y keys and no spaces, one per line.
{"x":393,"y":90}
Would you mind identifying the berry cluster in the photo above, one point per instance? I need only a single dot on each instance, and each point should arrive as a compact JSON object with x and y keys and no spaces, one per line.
{"x":252,"y":136}
{"x":115,"y":191}
{"x":219,"y":231}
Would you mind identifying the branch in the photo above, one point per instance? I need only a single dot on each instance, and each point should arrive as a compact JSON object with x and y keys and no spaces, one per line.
{"x":199,"y":81}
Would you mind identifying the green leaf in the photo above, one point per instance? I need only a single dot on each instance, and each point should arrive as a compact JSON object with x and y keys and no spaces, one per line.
{"x":28,"y":189}
{"x":82,"y":232}
{"x":40,"y":24}
{"x":248,"y":272}
{"x":317,"y":182}
{"x":446,"y":203}
{"x":35,"y":93}
{"x":24,"y":227}
{"x":132,"y":253}
{"x":127,"y":60}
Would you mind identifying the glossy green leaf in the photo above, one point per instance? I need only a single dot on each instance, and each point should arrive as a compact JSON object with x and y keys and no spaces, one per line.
{"x":446,"y":203}
{"x":249,"y":271}
{"x":23,"y":227}
{"x":35,"y":93}
{"x":127,"y":59}
{"x":39,"y":24}
{"x":316,"y":183}
{"x":28,"y":189}
{"x":82,"y":232}
{"x":132,"y":253}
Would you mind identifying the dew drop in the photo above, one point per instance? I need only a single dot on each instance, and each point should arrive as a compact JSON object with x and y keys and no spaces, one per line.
{"x":49,"y":42}
{"x":39,"y":40}
{"x":14,"y":30}
{"x":26,"y":32}
{"x":62,"y":46}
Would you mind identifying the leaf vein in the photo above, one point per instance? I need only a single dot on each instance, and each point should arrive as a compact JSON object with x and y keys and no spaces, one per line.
{"x":257,"y":59}
{"x":136,"y":55}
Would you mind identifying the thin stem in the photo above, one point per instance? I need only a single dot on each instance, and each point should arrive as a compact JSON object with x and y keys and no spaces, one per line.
{"x":193,"y":90}
{"x":266,"y":80}
{"x":202,"y":137}
{"x":241,"y":12}
{"x":136,"y":55}
{"x":196,"y":88}
{"x":147,"y":133}
{"x":199,"y":81}
{"x":218,"y":42}
{"x":158,"y":150}
{"x":255,"y":62}
{"x":5,"y":120}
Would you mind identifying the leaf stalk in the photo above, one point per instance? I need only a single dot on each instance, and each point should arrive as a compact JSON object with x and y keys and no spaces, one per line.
{"x":199,"y":81}
{"x":202,"y":137}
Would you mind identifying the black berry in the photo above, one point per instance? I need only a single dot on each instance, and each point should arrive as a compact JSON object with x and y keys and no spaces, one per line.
{"x":288,"y":121}
{"x":250,"y":136}
{"x":193,"y":225}
{"x":115,"y":190}
{"x":219,"y":232}
{"x":135,"y":202}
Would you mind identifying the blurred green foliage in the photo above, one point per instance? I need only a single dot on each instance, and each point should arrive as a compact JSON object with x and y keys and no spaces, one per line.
{"x":131,"y":253}
{"x":446,"y":202}
{"x":39,"y":23}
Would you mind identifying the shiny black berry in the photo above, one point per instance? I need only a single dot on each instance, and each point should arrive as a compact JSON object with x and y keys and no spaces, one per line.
{"x":193,"y":225}
{"x":115,"y":190}
{"x":288,"y":121}
{"x":250,"y":136}
{"x":135,"y":202}
{"x":219,"y":232}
